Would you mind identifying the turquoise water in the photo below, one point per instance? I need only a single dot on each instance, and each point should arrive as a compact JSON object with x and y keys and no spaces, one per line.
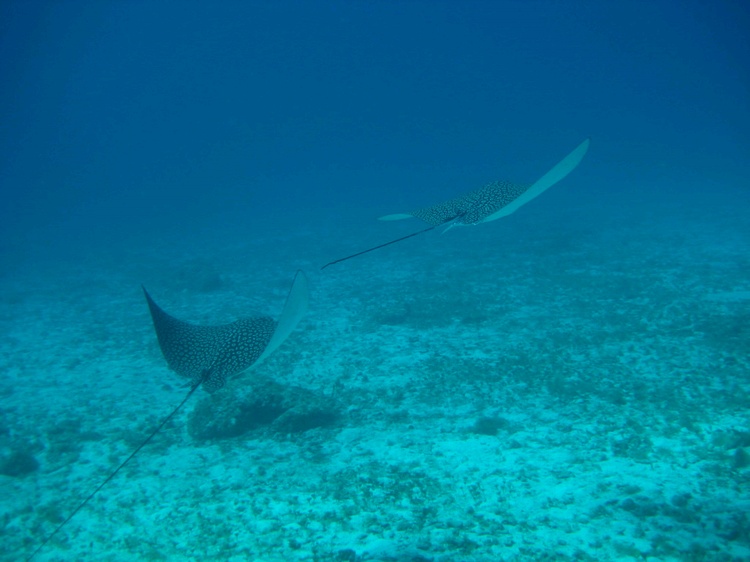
{"x":570,"y":382}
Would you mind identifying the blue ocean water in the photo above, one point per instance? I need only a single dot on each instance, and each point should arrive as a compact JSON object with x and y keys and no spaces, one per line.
{"x":570,"y":382}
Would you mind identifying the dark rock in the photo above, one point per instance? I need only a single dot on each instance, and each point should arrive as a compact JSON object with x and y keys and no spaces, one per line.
{"x":347,"y":555}
{"x":19,"y":463}
{"x":264,"y":404}
{"x":489,"y":426}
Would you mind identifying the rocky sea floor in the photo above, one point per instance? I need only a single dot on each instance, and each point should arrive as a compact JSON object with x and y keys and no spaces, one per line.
{"x":499,"y":393}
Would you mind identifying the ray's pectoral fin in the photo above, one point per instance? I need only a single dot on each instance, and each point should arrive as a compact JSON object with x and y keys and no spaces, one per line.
{"x":294,"y":309}
{"x":557,"y":173}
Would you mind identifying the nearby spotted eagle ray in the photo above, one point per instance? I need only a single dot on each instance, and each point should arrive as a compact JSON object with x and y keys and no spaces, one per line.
{"x":485,"y":204}
{"x":208,"y":355}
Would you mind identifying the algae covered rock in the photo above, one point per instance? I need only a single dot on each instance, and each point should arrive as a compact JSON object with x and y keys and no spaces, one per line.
{"x":18,"y":463}
{"x":263,"y":405}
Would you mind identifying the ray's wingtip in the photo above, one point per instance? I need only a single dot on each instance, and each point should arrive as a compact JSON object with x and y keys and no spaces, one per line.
{"x":149,"y":299}
{"x":583,"y":148}
{"x":395,"y":217}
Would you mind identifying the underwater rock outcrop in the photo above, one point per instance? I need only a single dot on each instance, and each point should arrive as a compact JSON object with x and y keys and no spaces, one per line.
{"x":262,"y":405}
{"x":18,"y":463}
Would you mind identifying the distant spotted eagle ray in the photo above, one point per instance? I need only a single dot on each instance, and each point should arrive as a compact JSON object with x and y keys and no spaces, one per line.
{"x":488,"y":203}
{"x":209,"y":355}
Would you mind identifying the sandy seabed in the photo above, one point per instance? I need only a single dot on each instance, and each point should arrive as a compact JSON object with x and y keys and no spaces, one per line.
{"x":490,"y":394}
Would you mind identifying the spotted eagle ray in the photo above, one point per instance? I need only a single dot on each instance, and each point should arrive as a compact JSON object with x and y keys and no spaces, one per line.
{"x":209,"y":355}
{"x":488,"y":203}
